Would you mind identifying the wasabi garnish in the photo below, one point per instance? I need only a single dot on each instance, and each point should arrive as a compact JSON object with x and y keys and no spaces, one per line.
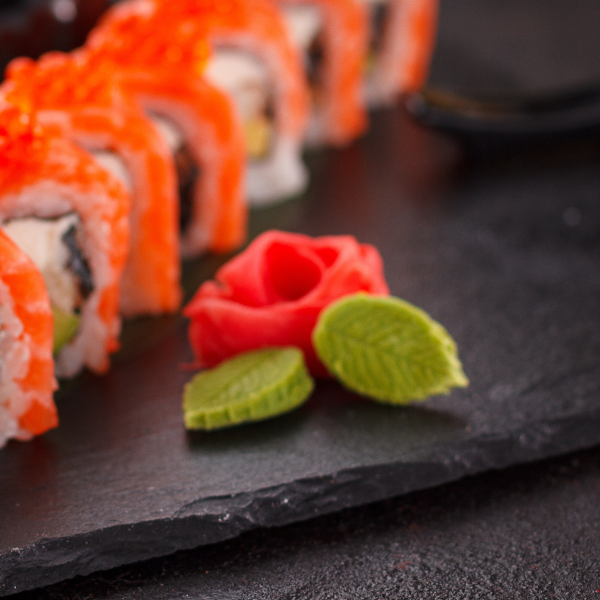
{"x":387,"y":349}
{"x":66,"y":325}
{"x":249,"y":387}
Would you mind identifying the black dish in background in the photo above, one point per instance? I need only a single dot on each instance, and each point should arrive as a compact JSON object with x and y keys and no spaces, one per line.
{"x":534,"y":65}
{"x":492,"y":125}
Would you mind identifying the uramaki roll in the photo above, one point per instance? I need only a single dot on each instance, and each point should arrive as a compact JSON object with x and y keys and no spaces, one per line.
{"x":254,"y":60}
{"x":163,"y":71}
{"x":26,"y":366}
{"x":70,"y":216}
{"x":402,"y":42}
{"x":333,"y":36}
{"x":81,"y":102}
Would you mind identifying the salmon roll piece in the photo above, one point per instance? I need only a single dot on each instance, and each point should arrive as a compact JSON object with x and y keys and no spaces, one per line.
{"x":333,"y":36}
{"x":27,"y":378}
{"x":256,"y":62}
{"x":197,"y":119}
{"x":71,"y":217}
{"x":81,"y":102}
{"x":402,"y":41}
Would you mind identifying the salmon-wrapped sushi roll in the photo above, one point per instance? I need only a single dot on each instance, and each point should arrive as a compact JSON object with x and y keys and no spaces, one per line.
{"x":81,"y":102}
{"x":70,"y":216}
{"x":26,"y":366}
{"x":333,"y":36}
{"x":402,"y":42}
{"x":198,"y":120}
{"x":257,"y":63}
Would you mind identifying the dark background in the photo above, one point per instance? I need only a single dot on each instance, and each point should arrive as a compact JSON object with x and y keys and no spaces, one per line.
{"x":504,"y":47}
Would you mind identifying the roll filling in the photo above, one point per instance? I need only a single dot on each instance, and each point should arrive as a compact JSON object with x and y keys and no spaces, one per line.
{"x":54,"y":247}
{"x":248,"y":81}
{"x":188,"y":171}
{"x":305,"y":24}
{"x":380,"y":12}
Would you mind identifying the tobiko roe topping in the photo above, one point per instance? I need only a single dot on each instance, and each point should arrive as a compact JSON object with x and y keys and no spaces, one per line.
{"x":272,"y":294}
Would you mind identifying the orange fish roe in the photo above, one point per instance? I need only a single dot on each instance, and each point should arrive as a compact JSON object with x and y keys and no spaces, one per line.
{"x":48,"y":177}
{"x":256,"y":29}
{"x":165,"y":76}
{"x":262,"y":28}
{"x":78,"y":99}
{"x":20,"y":137}
{"x":50,"y":82}
{"x":128,"y":34}
{"x":26,"y":369}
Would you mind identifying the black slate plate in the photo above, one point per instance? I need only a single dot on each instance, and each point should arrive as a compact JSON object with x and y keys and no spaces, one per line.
{"x":507,"y":259}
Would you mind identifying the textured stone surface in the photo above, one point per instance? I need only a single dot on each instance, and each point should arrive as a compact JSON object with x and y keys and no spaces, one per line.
{"x":527,"y":533}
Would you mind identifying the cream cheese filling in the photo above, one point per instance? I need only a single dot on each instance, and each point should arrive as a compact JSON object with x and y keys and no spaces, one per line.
{"x":243,"y":76}
{"x":42,"y":241}
{"x":248,"y":82}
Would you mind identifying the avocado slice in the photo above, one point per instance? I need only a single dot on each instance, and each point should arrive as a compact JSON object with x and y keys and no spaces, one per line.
{"x":66,"y":325}
{"x":259,"y":135}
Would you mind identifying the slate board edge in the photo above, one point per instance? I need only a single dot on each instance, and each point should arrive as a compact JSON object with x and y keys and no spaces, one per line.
{"x":213,"y":520}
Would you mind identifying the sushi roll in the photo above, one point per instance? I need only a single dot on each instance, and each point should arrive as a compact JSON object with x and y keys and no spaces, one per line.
{"x":402,"y":41}
{"x":256,"y":62}
{"x":197,"y":119}
{"x":80,"y":101}
{"x":26,"y":366}
{"x":333,"y":36}
{"x":70,"y":216}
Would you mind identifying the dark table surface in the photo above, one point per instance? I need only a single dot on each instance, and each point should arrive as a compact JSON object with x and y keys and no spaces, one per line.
{"x":529,"y":532}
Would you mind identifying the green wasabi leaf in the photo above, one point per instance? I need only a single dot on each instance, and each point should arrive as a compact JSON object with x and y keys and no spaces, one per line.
{"x":250,"y":387}
{"x":387,"y":349}
{"x":65,"y":327}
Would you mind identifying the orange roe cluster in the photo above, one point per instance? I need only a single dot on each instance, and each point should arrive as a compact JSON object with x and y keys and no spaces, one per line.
{"x":130,"y":36}
{"x":203,"y":15}
{"x":22,"y":141}
{"x":58,"y":79}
